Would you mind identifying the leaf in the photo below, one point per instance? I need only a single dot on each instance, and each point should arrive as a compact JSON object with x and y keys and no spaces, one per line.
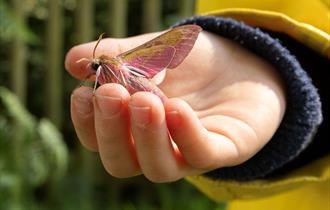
{"x":39,"y":152}
{"x":55,"y":147}
{"x":8,"y":180}
{"x":10,"y":27}
{"x":17,"y":111}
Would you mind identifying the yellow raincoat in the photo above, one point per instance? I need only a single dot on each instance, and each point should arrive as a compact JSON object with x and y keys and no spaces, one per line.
{"x":307,"y":188}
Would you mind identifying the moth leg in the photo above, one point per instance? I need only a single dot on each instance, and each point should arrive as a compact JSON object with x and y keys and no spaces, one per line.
{"x":97,"y":74}
{"x":123,"y":78}
{"x":111,"y":72}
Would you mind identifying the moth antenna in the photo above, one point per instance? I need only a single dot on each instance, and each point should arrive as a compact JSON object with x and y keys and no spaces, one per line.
{"x":97,"y":74}
{"x":97,"y":43}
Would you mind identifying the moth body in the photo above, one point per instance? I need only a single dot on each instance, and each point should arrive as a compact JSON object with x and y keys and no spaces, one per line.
{"x":135,"y":68}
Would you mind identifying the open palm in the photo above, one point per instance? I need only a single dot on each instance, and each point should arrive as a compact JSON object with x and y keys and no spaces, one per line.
{"x":224,"y":105}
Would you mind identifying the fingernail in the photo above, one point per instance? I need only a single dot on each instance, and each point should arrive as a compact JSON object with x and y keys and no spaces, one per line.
{"x":140,"y":115}
{"x":173,"y":119}
{"x":108,"y":105}
{"x":82,"y":105}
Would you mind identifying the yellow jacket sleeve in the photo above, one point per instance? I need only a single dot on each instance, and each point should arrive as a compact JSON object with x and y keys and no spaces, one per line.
{"x":308,"y":22}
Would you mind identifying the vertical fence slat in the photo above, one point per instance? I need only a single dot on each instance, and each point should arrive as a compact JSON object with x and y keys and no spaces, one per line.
{"x":53,"y":77}
{"x":18,"y":56}
{"x":118,"y":18}
{"x":152,"y":13}
{"x":85,"y":20}
{"x":85,"y":33}
{"x":187,"y":8}
{"x":19,"y":87}
{"x":54,"y":65}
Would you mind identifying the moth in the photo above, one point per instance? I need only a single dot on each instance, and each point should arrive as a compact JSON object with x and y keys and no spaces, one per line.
{"x":135,"y":68}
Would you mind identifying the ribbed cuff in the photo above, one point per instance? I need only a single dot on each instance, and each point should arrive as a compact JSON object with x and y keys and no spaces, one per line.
{"x":303,"y":113}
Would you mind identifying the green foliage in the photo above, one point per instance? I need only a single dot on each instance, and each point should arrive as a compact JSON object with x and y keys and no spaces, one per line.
{"x":134,"y":193}
{"x":31,"y":152}
{"x":57,"y":153}
{"x":10,"y":27}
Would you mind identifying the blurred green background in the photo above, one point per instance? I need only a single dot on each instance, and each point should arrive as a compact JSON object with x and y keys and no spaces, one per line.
{"x":42,"y":165}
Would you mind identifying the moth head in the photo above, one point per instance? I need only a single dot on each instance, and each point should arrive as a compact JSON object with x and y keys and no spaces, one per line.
{"x":93,"y":62}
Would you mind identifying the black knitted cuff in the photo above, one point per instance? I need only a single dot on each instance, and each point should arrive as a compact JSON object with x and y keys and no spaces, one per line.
{"x":303,"y":113}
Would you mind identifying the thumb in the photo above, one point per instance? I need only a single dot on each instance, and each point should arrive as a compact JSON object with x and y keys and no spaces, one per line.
{"x":110,"y":47}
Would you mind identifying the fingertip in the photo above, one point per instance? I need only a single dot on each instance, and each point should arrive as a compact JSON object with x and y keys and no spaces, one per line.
{"x":82,"y":117}
{"x":176,"y":104}
{"x":181,"y":119}
{"x":112,"y":90}
{"x":109,"y":47}
{"x":78,"y":69}
{"x":172,"y":112}
{"x":81,"y":102}
{"x":146,"y":107}
{"x":69,"y":57}
{"x":109,"y":101}
{"x":188,"y":133}
{"x":83,"y":91}
{"x":144,"y":99}
{"x":176,"y":109}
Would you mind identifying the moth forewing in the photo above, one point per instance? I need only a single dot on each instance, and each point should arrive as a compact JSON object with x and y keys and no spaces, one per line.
{"x":138,"y":69}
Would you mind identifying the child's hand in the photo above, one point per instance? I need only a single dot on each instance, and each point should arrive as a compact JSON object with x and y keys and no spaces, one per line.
{"x":225,"y":104}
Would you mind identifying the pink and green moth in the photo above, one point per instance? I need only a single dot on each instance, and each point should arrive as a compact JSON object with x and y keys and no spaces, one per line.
{"x":135,"y":68}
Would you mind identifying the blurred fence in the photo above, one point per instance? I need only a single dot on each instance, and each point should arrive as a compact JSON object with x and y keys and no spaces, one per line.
{"x":85,"y":24}
{"x":34,"y":37}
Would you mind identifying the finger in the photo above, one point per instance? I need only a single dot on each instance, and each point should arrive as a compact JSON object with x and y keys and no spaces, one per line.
{"x":82,"y":115}
{"x":202,"y":149}
{"x":157,"y":158}
{"x":110,"y":47}
{"x":112,"y":130}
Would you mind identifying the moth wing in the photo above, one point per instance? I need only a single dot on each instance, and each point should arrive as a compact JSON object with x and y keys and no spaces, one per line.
{"x":143,"y":84}
{"x":107,"y":75}
{"x":149,"y":61}
{"x":181,"y":38}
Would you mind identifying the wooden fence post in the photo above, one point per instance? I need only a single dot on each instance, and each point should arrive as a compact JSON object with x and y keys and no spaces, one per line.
{"x":152,"y":13}
{"x":18,"y":56}
{"x":187,"y":8}
{"x":85,"y":20}
{"x":18,"y":86}
{"x":118,"y":18}
{"x":54,"y":65}
{"x":87,"y":168}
